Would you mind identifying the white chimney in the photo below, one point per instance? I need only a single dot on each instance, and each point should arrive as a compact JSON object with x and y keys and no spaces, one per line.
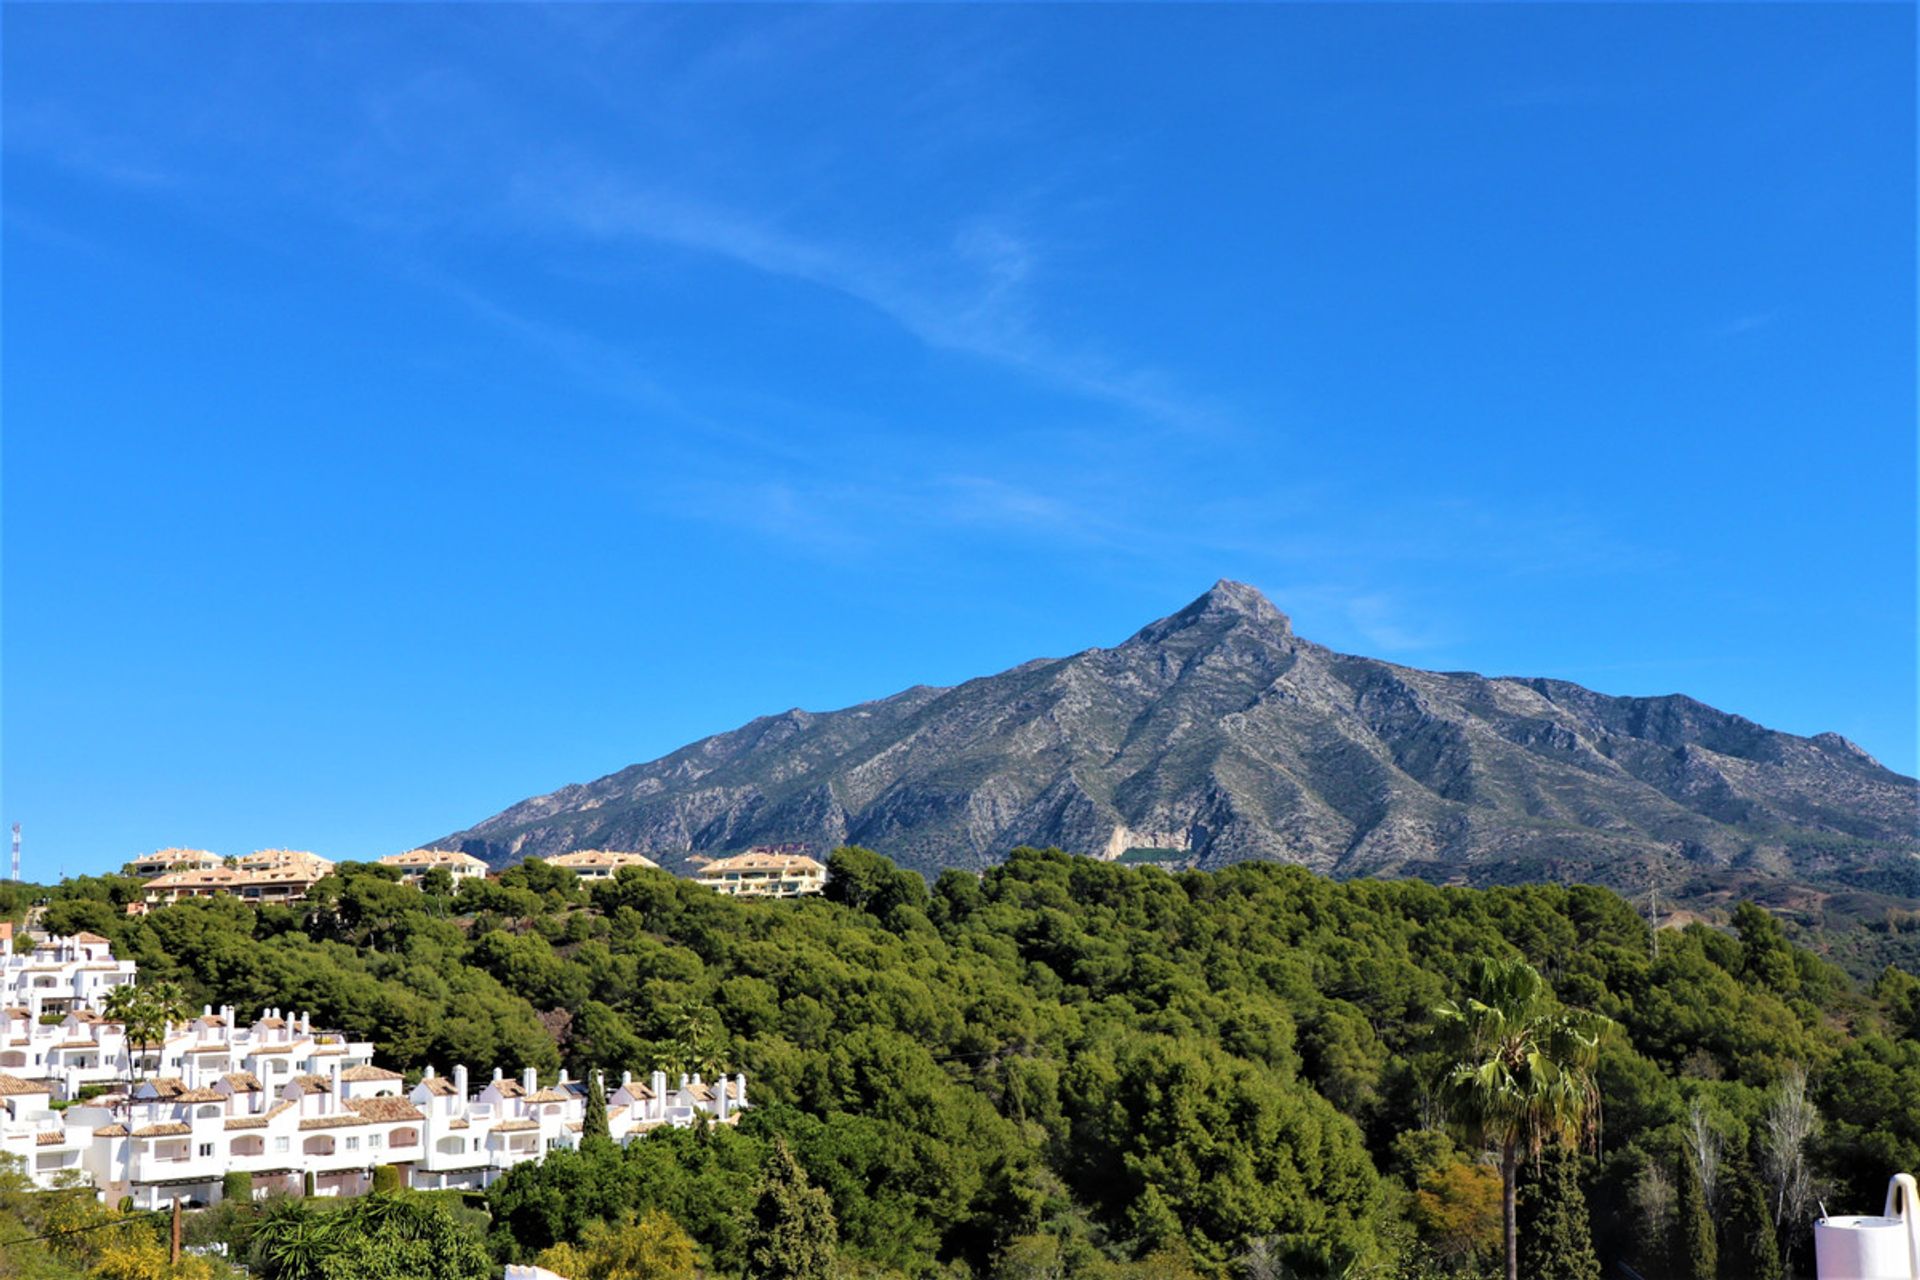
{"x":659,"y":1095}
{"x":563,"y":1075}
{"x":460,"y":1083}
{"x":529,"y":1080}
{"x":498,"y":1075}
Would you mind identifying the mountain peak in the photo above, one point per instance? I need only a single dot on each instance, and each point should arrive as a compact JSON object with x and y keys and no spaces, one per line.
{"x":1225,"y":601}
{"x":1228,"y":596}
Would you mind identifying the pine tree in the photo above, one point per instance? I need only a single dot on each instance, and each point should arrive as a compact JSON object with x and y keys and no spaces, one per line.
{"x":594,"y":1122}
{"x":1752,"y":1252}
{"x":1556,"y":1236}
{"x":1692,"y":1255}
{"x":794,"y":1236}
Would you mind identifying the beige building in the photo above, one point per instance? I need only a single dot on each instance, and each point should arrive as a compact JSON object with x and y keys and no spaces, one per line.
{"x":269,"y":875}
{"x":164,"y":861}
{"x":600,"y":864}
{"x":760,"y":873}
{"x":414,"y":864}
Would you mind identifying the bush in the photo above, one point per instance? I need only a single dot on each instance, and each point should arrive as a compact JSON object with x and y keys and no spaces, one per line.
{"x":386,"y":1179}
{"x":237,"y":1187}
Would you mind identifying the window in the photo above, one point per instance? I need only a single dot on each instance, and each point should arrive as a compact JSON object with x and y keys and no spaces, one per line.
{"x":373,"y":1140}
{"x":206,"y":1149}
{"x":280,"y":1144}
{"x":353,"y":1144}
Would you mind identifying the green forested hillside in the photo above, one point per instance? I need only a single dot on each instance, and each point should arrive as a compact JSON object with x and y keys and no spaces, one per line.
{"x":1073,"y":1068}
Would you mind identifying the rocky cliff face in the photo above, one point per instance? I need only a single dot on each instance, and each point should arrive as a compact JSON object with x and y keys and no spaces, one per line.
{"x":1219,"y":733}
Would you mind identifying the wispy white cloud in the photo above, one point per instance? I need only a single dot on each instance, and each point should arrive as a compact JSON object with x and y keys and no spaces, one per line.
{"x":1744,"y":324}
{"x":971,"y":294}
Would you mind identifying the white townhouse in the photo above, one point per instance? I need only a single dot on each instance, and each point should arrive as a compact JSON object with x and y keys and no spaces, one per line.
{"x":291,"y":1107}
{"x":84,"y":1049}
{"x":414,"y":864}
{"x":49,"y":1149}
{"x":53,"y":975}
{"x":166,"y":1141}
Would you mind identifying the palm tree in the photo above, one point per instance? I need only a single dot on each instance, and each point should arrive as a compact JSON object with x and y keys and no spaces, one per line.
{"x":1521,"y":1071}
{"x":123,"y":1005}
{"x":146,"y":1013}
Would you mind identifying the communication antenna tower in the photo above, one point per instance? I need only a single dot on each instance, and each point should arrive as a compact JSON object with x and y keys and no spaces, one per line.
{"x":1653,"y":917}
{"x":16,"y":853}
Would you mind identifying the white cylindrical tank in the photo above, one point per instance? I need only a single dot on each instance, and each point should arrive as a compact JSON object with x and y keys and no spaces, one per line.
{"x":1872,"y":1247}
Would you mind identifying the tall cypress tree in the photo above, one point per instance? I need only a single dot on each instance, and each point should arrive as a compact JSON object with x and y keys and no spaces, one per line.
{"x":794,"y":1236}
{"x":594,"y":1123}
{"x":1556,"y":1236}
{"x":1752,"y":1251}
{"x":1693,"y":1254}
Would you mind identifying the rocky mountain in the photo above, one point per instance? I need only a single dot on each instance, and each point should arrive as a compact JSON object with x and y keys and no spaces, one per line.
{"x":1217,"y":734}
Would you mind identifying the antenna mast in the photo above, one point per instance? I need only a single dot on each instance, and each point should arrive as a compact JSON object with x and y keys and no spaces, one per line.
{"x":1653,"y":917}
{"x":16,"y":853}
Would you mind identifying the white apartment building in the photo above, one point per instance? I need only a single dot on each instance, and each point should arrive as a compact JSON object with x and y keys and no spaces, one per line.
{"x":53,"y":975}
{"x":414,"y":864}
{"x":760,"y":873}
{"x":599,"y":864}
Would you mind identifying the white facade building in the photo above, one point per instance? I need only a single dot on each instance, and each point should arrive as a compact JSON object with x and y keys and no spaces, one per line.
{"x":276,"y":1100}
{"x":53,"y":975}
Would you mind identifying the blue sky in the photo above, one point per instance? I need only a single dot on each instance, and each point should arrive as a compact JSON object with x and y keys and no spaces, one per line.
{"x":411,"y":409}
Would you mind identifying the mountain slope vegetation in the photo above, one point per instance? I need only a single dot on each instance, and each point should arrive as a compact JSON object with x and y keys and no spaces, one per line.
{"x":1072,"y":1067}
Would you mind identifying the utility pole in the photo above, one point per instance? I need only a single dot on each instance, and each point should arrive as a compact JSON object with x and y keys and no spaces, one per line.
{"x":173,"y":1253}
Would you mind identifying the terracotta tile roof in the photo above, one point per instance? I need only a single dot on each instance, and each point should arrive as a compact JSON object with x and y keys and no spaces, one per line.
{"x":508,"y":1088}
{"x":201,"y":1095}
{"x":88,"y":937}
{"x":315,"y":1084}
{"x":330,"y":1122}
{"x":515,"y":1126}
{"x":601,"y":858}
{"x":438,"y":1086}
{"x":787,"y":863}
{"x":50,"y":1139}
{"x":115,"y":1130}
{"x":549,"y":1095}
{"x":15,"y":1085}
{"x":358,"y":1075}
{"x":163,"y":1087}
{"x":385,"y":1109}
{"x":246,"y":1122}
{"x":461,"y":1123}
{"x":242,"y":1081}
{"x":168,"y":1129}
{"x":449,"y":858}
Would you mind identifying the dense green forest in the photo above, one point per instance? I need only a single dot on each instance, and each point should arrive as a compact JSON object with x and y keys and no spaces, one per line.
{"x":1070,"y":1068}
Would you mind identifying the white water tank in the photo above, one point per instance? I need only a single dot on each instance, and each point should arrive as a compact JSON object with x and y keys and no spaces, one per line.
{"x":1870,"y":1247}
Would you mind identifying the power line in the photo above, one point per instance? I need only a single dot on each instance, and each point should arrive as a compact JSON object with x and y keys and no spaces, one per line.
{"x":124,"y":1221}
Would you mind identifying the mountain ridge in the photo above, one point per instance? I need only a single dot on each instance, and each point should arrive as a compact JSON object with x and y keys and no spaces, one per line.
{"x":1218,"y":733}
